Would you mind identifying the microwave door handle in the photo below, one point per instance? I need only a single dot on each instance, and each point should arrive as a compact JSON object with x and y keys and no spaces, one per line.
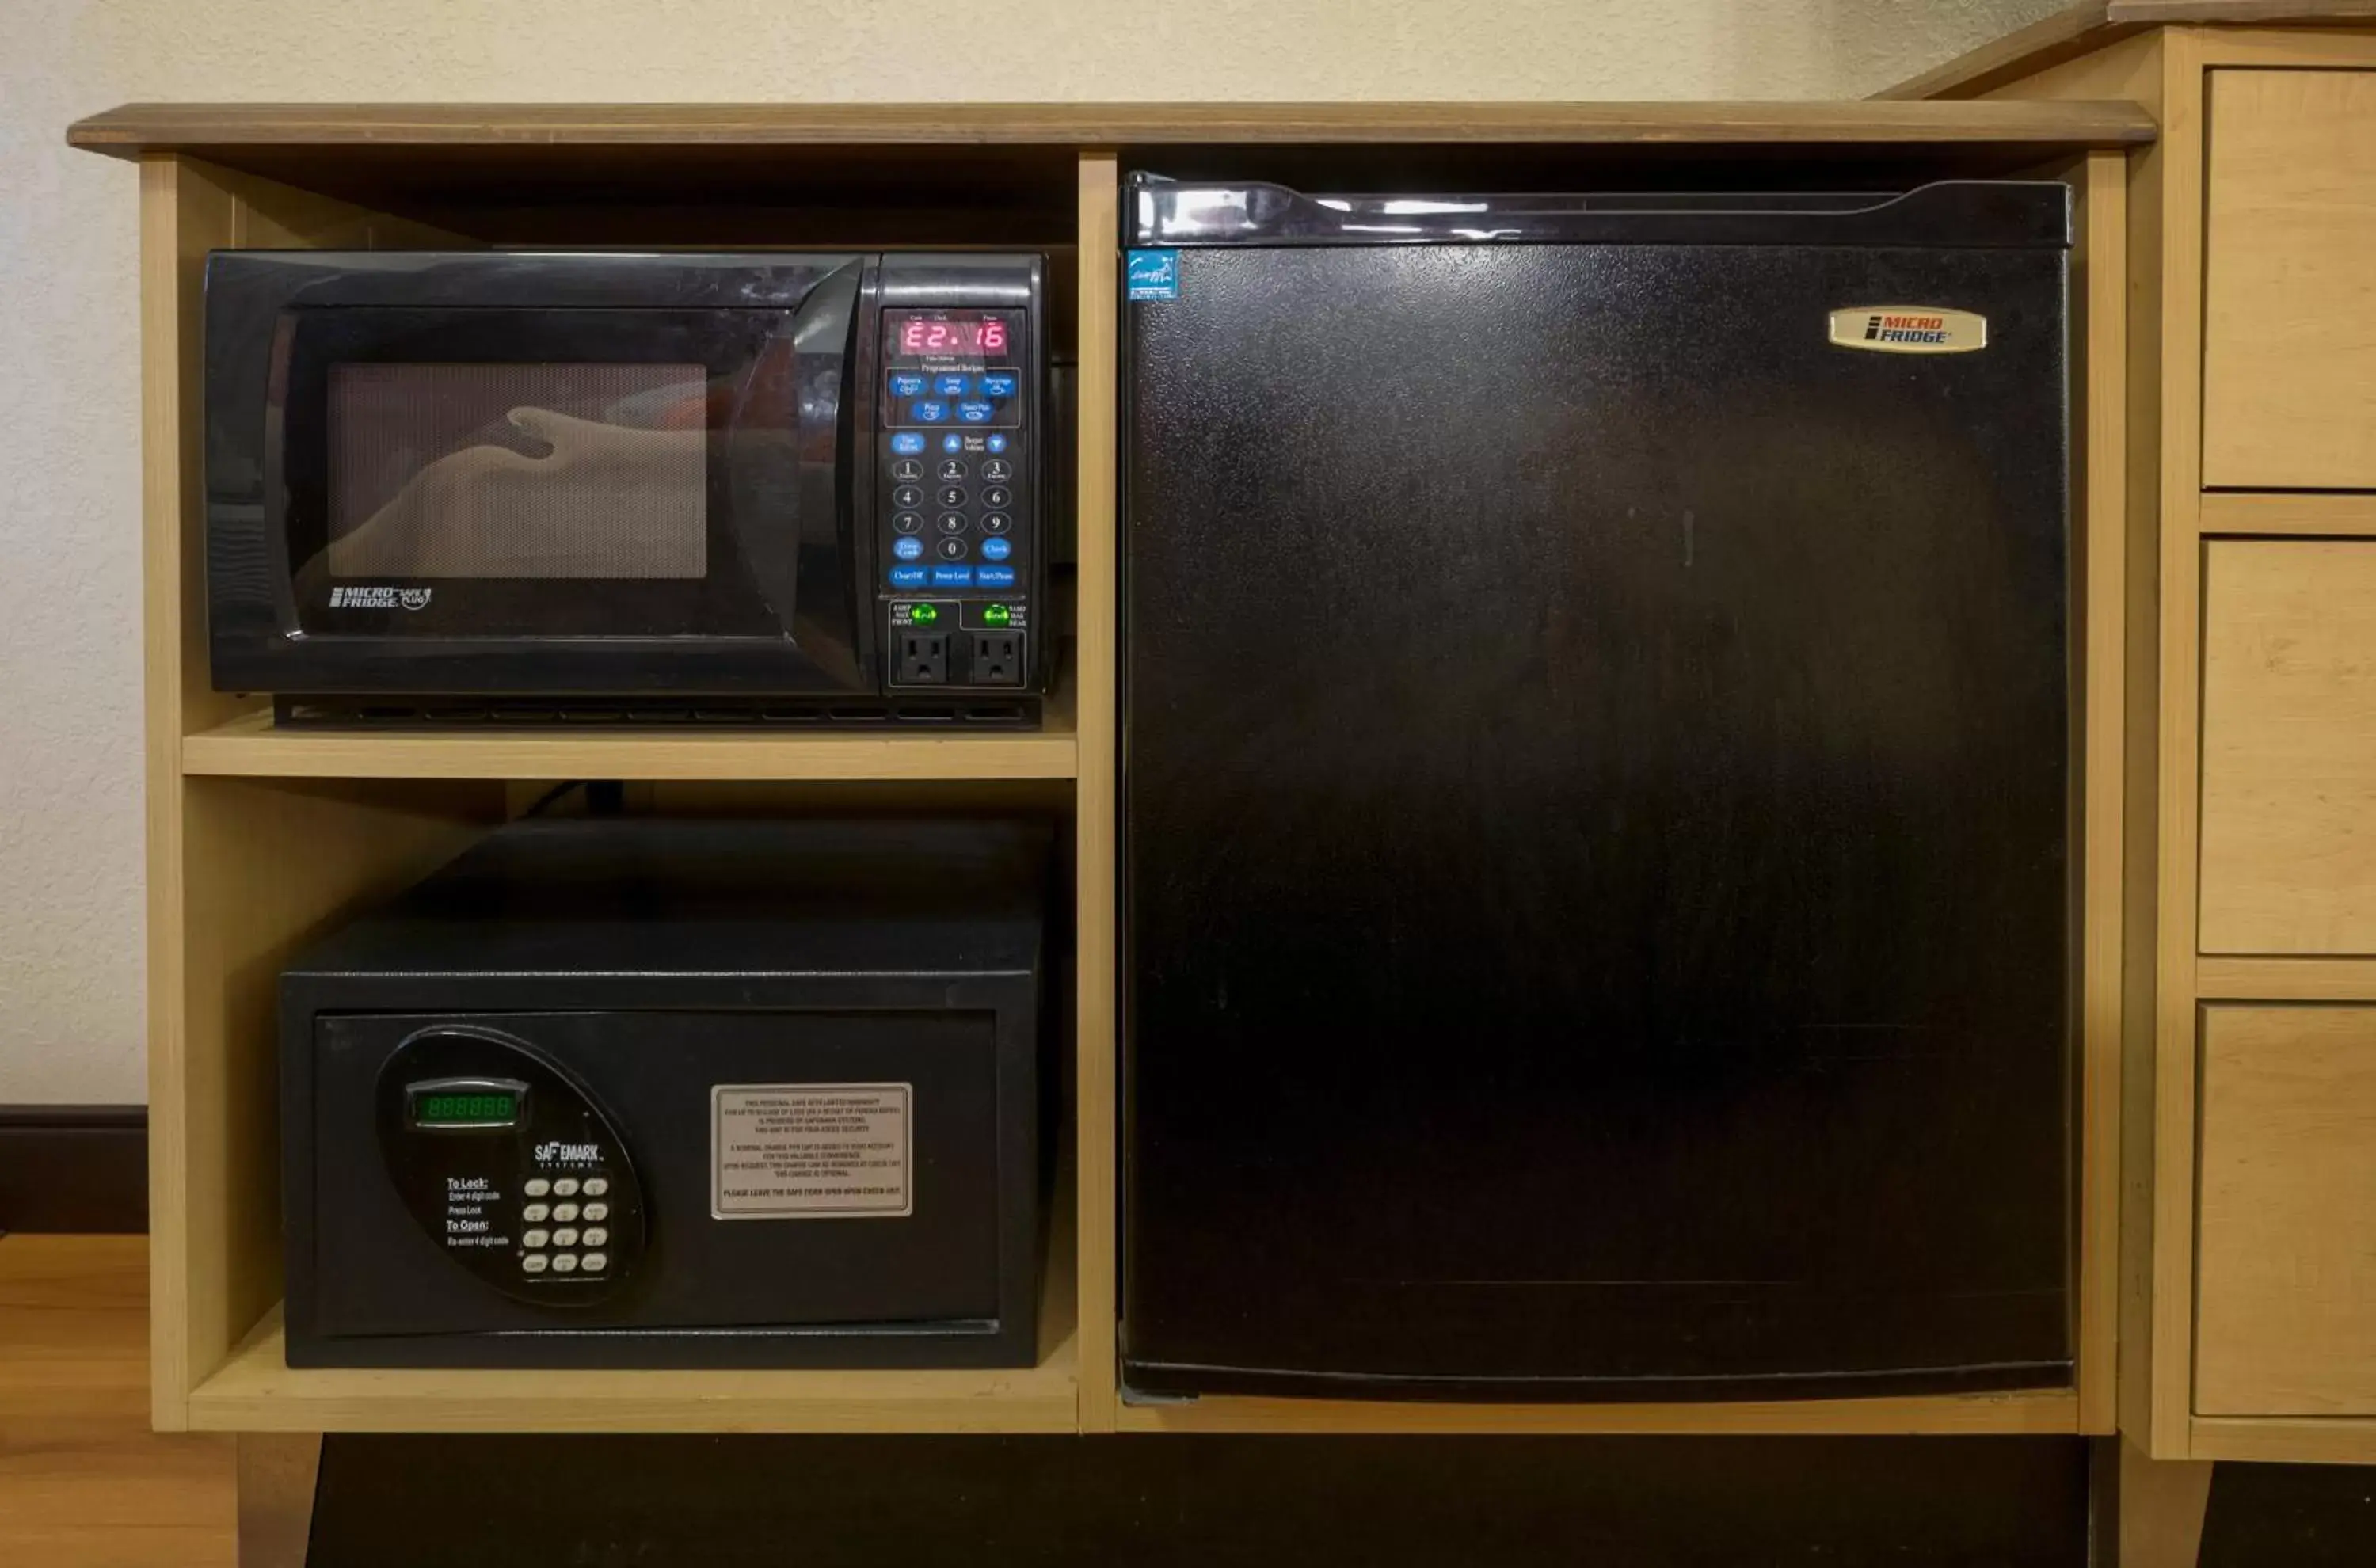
{"x":827,"y":353}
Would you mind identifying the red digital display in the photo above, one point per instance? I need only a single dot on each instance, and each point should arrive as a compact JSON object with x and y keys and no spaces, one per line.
{"x":966,"y":336}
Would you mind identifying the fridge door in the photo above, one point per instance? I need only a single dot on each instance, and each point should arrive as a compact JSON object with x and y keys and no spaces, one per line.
{"x":1596,"y":812}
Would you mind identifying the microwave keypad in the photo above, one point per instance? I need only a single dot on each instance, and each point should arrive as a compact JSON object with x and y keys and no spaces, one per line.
{"x":953,"y":496}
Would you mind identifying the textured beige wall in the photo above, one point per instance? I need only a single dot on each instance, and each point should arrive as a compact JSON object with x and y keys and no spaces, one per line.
{"x":70,"y":907}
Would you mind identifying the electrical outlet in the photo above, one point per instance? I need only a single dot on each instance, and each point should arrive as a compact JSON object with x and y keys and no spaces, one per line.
{"x":923,"y":658}
{"x":997,"y":659}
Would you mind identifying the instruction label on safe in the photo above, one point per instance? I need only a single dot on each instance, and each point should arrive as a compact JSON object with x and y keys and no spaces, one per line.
{"x":811,"y":1151}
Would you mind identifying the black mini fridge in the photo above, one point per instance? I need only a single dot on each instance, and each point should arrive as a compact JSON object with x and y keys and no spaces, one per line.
{"x":1597,"y":819}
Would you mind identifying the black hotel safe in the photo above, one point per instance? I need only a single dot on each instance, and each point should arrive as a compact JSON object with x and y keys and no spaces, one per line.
{"x":621,"y":1092}
{"x":1596,"y":793}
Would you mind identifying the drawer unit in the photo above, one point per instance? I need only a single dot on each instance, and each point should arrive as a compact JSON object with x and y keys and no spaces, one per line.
{"x":2289,"y":291}
{"x":2286,"y":1260}
{"x":2289,"y":852}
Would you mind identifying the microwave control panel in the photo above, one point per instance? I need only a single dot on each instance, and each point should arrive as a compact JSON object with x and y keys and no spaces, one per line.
{"x":956,"y":528}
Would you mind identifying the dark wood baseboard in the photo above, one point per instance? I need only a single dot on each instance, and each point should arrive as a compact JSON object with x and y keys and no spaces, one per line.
{"x":74,"y":1168}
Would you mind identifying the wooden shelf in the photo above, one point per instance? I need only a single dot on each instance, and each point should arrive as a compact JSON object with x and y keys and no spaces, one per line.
{"x":2049,"y":1411}
{"x":210,"y":128}
{"x":249,"y":746}
{"x":257,"y":1390}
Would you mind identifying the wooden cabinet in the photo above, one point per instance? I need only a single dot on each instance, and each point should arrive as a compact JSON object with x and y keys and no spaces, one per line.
{"x":2286,"y":1321}
{"x":2289,"y":286}
{"x":2290,"y":744}
{"x":2289,"y":281}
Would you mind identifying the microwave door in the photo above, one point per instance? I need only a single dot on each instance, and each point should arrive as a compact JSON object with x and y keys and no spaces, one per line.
{"x":473,"y":498}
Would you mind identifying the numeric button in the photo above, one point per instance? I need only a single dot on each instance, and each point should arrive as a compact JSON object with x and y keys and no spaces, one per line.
{"x":596,"y":1211}
{"x":565,"y":1188}
{"x":536,"y":1186}
{"x":596,"y":1186}
{"x":997,"y":470}
{"x":535,"y":1239}
{"x":953,"y":522}
{"x":952,"y":495}
{"x":953,"y":550}
{"x":953,"y":468}
{"x":565,"y":1237}
{"x":595,"y":1236}
{"x":997,"y":522}
{"x":907,"y":495}
{"x":908,"y":469}
{"x":566,"y":1262}
{"x":907,"y":522}
{"x":997,"y":495}
{"x":534,"y":1213}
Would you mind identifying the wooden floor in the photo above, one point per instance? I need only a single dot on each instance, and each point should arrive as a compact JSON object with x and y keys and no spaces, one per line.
{"x":84,"y":1483}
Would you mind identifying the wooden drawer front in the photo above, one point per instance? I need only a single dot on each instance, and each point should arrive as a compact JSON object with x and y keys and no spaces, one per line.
{"x":2286,"y":1258}
{"x":2289,"y":747}
{"x":2289,"y":291}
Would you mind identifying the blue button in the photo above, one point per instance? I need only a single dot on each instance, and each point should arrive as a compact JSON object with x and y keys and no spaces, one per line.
{"x":998,"y":444}
{"x":908,"y":576}
{"x":954,"y":443}
{"x":950,"y":385}
{"x":994,"y":576}
{"x":997,"y":549}
{"x":975,"y":411}
{"x":1000,"y":384}
{"x":906,"y":443}
{"x":953,"y":577}
{"x":929,"y":410}
{"x":906,"y":383}
{"x":906,"y":548}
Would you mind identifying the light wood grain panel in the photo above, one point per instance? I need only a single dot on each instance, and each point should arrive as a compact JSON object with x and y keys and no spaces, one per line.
{"x":2173,"y":294}
{"x":2286,"y":979}
{"x":2099,"y":292}
{"x":256,"y":1391}
{"x":2289,"y":848}
{"x":251,"y":746}
{"x":2287,"y":1440}
{"x":2034,"y":1413}
{"x":1098,"y":655}
{"x":2162,"y":1505}
{"x":2289,"y":352}
{"x":2297,"y":513}
{"x":135,"y":129}
{"x":2286,"y":1283}
{"x":278,"y":1472}
{"x":2342,"y":46}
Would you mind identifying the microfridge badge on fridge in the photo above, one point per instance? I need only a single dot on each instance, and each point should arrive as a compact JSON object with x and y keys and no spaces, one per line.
{"x":1909,"y":329}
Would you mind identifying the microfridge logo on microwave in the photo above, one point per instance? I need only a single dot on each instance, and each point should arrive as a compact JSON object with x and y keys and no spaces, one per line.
{"x":379,"y":598}
{"x":1909,"y":329}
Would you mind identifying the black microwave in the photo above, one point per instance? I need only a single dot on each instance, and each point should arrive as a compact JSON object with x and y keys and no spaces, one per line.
{"x":511,"y":486}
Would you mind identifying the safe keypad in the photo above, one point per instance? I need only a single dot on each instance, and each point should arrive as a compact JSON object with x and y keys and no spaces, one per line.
{"x":556,"y":1249}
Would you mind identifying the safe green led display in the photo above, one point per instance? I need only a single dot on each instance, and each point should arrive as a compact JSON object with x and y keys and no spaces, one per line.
{"x":477,"y":1109}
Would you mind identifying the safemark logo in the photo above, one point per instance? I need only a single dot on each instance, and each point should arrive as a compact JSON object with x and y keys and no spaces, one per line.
{"x":1909,"y":329}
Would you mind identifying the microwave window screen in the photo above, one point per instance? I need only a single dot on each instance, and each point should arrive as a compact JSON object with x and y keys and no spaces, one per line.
{"x":520,"y":470}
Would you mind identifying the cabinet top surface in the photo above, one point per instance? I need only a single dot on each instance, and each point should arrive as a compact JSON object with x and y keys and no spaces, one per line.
{"x":136,"y":129}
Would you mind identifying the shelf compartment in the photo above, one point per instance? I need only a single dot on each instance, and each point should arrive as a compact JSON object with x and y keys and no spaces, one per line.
{"x":250,"y":746}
